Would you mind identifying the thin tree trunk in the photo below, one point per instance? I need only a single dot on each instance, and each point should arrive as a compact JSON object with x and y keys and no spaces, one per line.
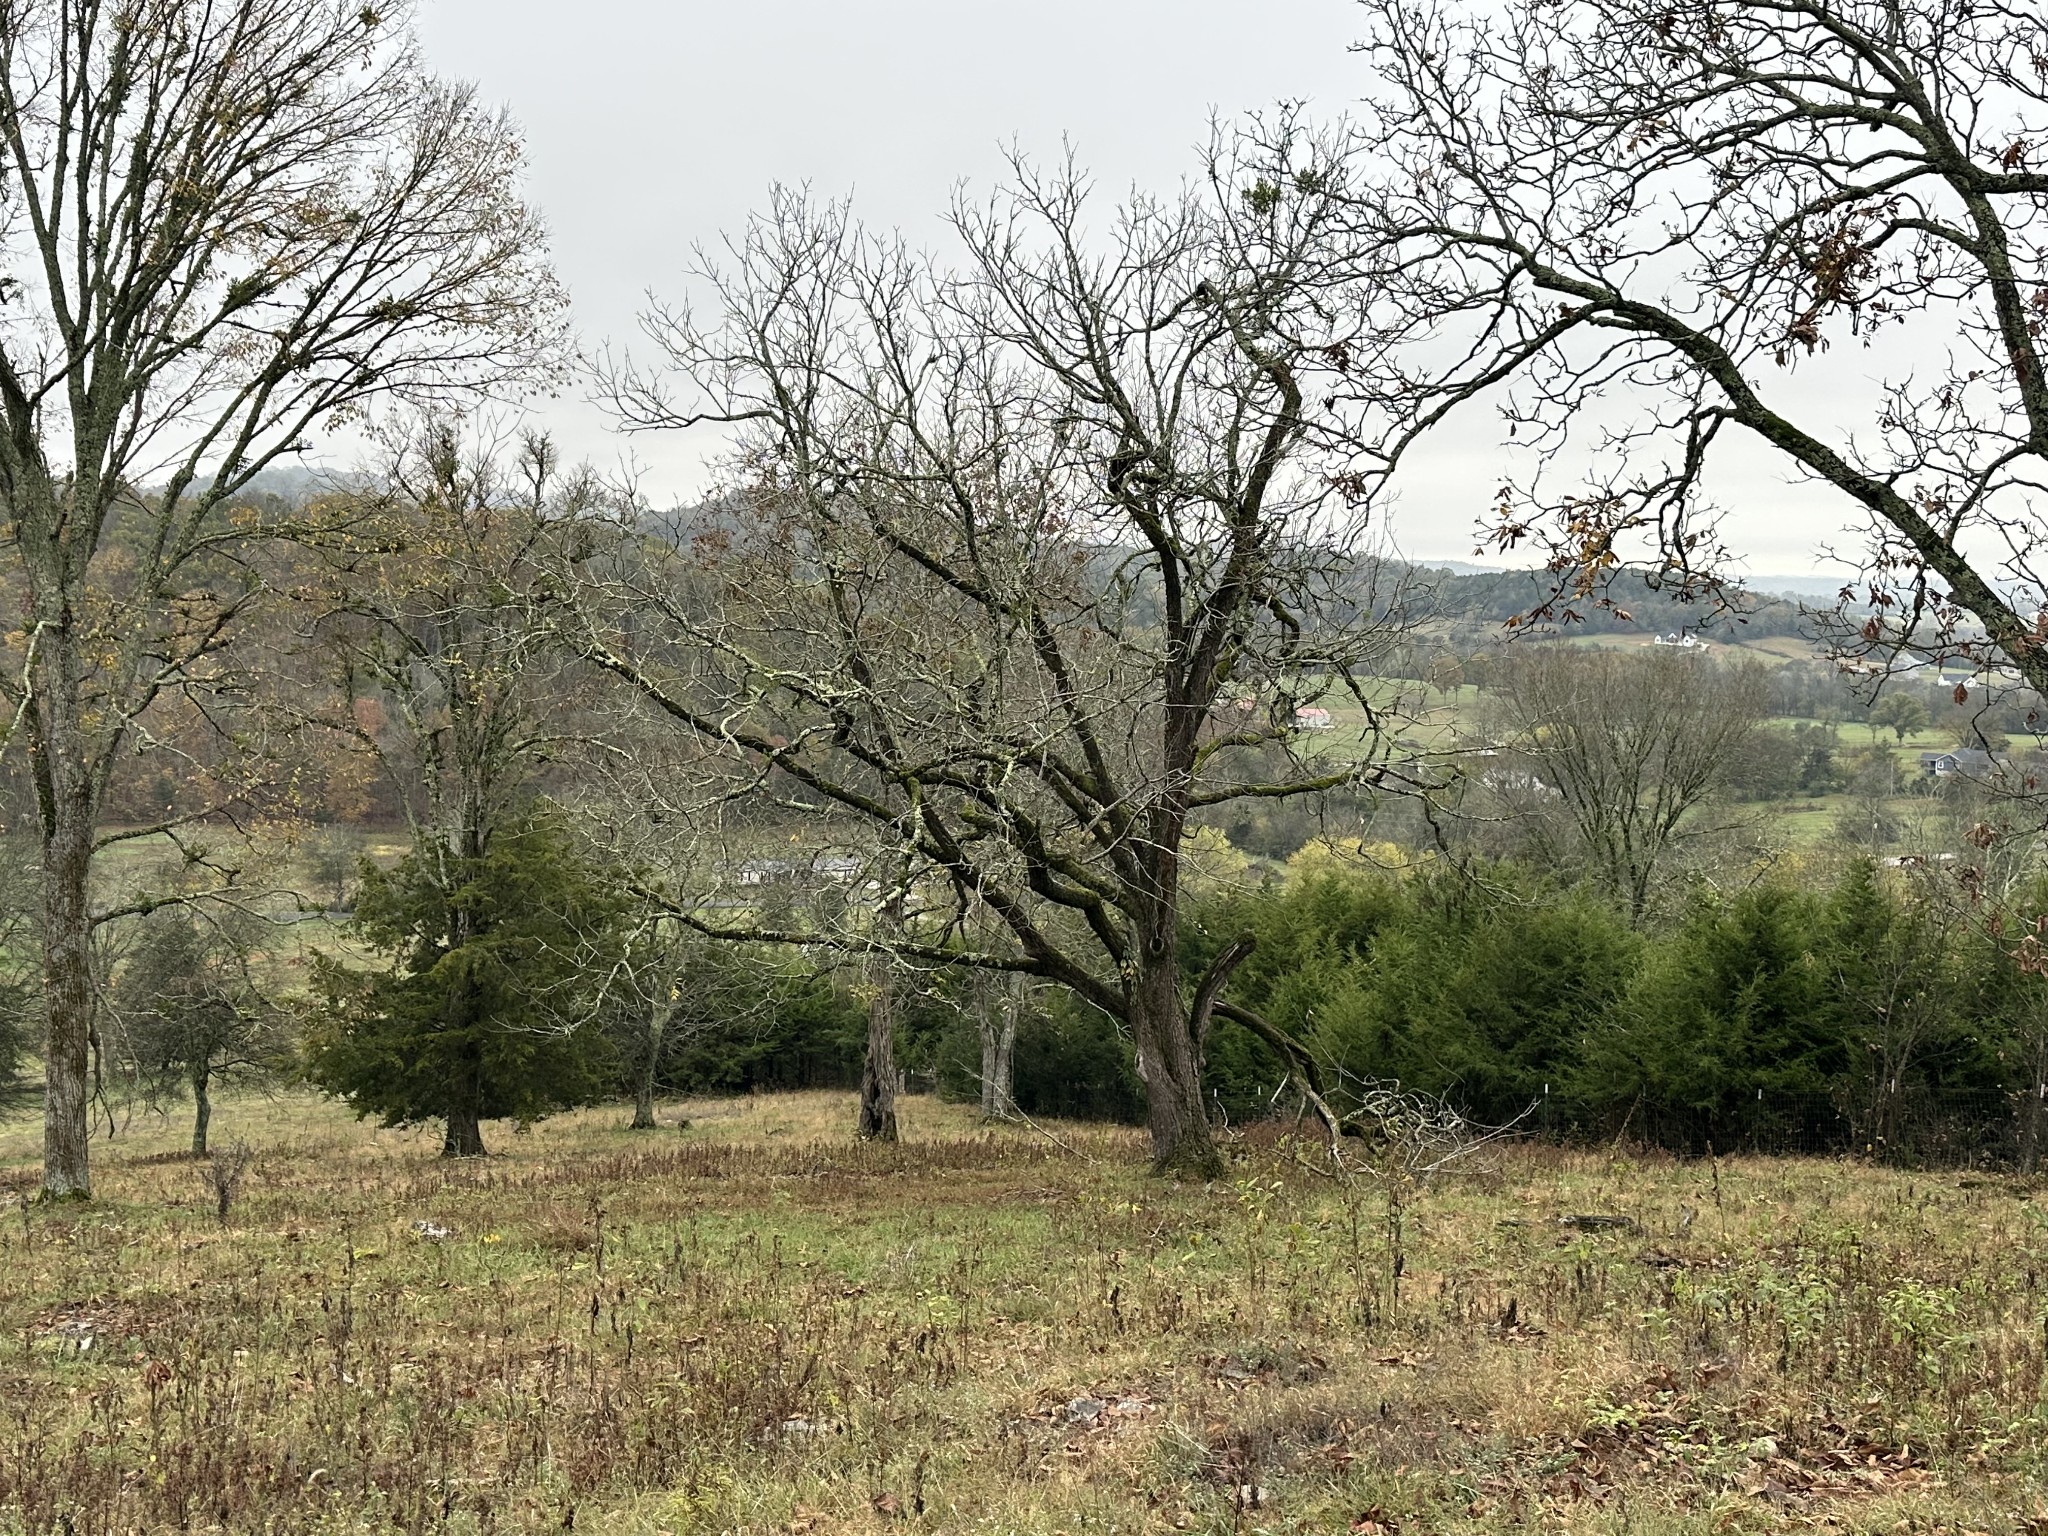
{"x":987,"y":1026}
{"x":202,"y":1111}
{"x":1171,"y":1067}
{"x":1006,"y":1052}
{"x":465,"y":1136}
{"x":650,"y":1069}
{"x":878,"y":1081}
{"x":995,"y":1020}
{"x":67,"y":980}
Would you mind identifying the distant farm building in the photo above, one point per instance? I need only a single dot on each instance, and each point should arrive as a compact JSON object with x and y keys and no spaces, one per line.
{"x":1965,"y":762}
{"x":1311,"y":717}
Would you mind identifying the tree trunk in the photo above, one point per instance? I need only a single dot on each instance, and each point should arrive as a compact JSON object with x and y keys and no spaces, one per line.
{"x":67,"y":981}
{"x":996,"y":1021}
{"x":465,"y":1136}
{"x":1006,"y":1052}
{"x":987,"y":1026}
{"x":1171,"y":1066}
{"x":658,"y":1014}
{"x":878,"y":1081}
{"x":202,"y":1111}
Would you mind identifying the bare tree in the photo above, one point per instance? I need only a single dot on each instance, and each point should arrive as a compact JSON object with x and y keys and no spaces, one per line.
{"x":1022,"y":565}
{"x":186,"y":1013}
{"x":224,"y":225}
{"x":1608,"y":760}
{"x":422,"y":620}
{"x":672,"y":985}
{"x":658,"y":967}
{"x":1649,"y":229}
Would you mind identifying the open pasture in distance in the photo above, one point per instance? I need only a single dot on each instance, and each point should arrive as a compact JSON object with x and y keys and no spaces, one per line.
{"x":1430,"y":720}
{"x":756,"y":1324}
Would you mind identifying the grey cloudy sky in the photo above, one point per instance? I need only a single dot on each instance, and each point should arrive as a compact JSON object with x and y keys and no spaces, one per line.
{"x":653,"y":125}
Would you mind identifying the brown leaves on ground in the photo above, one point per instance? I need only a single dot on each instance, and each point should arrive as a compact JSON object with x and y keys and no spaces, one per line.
{"x":1678,"y":1442}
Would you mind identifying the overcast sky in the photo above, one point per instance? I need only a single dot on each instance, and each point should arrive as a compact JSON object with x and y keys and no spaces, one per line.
{"x":654,"y":125}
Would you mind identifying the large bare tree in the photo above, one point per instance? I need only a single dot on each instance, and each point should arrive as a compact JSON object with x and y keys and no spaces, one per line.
{"x":224,"y":225}
{"x":1024,"y":564}
{"x":1606,"y":762}
{"x":1656,"y":230}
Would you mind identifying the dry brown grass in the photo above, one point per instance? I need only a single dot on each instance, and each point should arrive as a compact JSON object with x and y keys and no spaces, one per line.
{"x":756,"y":1324}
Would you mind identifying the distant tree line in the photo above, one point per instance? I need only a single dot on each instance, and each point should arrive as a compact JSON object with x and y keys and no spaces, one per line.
{"x":1638,"y":605}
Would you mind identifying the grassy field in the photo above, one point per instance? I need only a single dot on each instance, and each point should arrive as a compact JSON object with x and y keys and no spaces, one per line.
{"x":754,"y":1324}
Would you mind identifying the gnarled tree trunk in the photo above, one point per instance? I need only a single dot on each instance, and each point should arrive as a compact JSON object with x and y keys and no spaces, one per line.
{"x":202,"y":1110}
{"x":878,"y":1078}
{"x":658,"y":1014}
{"x":1170,"y":1064}
{"x":643,"y":1096}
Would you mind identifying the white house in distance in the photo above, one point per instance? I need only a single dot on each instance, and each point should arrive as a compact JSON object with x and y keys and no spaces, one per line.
{"x":1307,"y":717}
{"x":1962,"y":762}
{"x":1683,"y":641}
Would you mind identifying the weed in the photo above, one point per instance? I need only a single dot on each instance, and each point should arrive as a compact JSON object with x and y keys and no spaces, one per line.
{"x":223,"y":1171}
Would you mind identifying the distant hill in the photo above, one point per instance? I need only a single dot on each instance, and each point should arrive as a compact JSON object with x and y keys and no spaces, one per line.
{"x":1491,"y":598}
{"x":1458,"y":567}
{"x":1824,"y":588}
{"x":294,"y":483}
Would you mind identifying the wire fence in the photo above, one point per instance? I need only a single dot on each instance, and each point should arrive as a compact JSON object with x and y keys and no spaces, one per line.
{"x":1914,"y":1126}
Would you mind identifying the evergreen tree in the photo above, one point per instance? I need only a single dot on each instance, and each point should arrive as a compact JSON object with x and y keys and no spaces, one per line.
{"x":1730,"y":1032}
{"x":497,"y":961}
{"x":1914,"y":1012}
